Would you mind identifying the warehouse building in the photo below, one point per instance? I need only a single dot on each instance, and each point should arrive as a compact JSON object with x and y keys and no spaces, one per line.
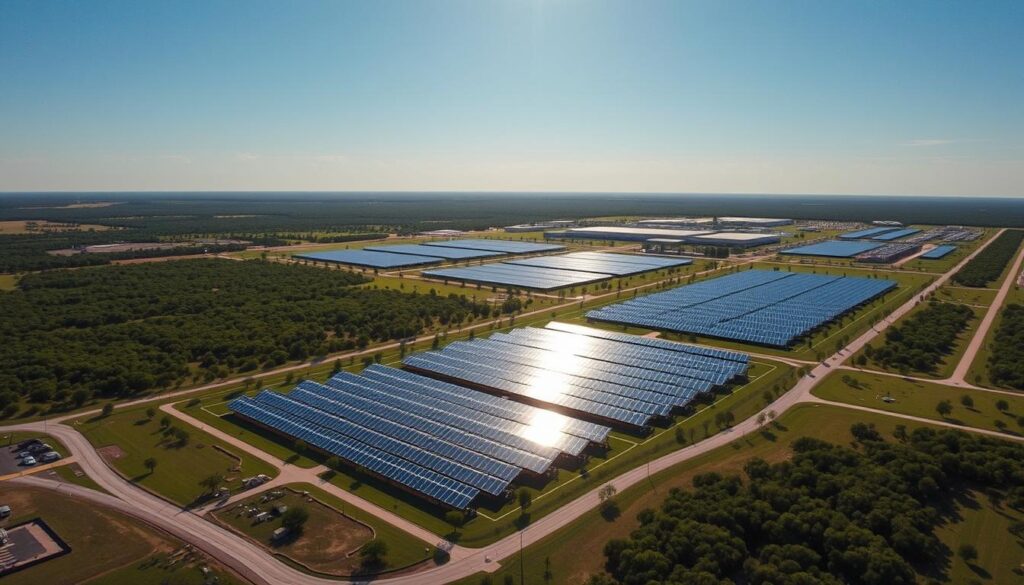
{"x":736,"y":239}
{"x":753,"y":222}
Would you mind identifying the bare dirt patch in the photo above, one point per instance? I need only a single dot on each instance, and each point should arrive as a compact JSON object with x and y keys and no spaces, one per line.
{"x":111,"y":452}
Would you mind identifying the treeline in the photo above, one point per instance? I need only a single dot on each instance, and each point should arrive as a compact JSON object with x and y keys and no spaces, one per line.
{"x":185,"y":213}
{"x":121,"y":330}
{"x":990,"y":262}
{"x":1006,"y":363}
{"x":920,"y":343}
{"x":831,"y":515}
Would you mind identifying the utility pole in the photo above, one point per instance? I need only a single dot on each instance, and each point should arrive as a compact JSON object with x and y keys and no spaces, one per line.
{"x":522,"y":568}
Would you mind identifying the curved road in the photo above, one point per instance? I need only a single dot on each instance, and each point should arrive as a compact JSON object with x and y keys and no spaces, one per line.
{"x":257,"y":565}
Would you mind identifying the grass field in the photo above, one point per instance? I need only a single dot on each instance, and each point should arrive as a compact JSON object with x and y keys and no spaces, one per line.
{"x":576,"y":551}
{"x":979,"y":297}
{"x":42,"y":226}
{"x":130,"y":438}
{"x":106,"y":547}
{"x":918,"y":398}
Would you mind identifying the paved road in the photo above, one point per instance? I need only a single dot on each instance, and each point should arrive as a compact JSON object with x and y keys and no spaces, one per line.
{"x":962,"y":368}
{"x":257,"y":565}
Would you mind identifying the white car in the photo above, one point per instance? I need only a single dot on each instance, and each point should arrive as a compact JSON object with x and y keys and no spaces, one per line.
{"x":49,"y":457}
{"x":30,"y":460}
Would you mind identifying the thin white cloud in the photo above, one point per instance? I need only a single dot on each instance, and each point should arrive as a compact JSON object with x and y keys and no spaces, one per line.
{"x":929,"y":142}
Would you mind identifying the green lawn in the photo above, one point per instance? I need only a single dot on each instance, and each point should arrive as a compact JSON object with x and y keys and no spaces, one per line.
{"x":918,"y":398}
{"x":627,"y":452}
{"x":106,"y":546}
{"x":576,"y":551}
{"x":179,"y":468}
{"x":66,"y":473}
{"x":986,"y":525}
{"x":981,"y":297}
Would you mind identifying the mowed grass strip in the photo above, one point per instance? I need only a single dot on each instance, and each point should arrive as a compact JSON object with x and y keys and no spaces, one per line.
{"x":127,"y":439}
{"x":918,"y":398}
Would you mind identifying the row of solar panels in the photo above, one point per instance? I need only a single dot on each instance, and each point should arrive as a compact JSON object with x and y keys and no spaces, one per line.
{"x":833,"y":249}
{"x":938,"y":252}
{"x":552,"y":272}
{"x":586,"y":372}
{"x":895,"y":235}
{"x":764,"y":307}
{"x":423,"y":433}
{"x":406,"y":255}
{"x":603,"y":263}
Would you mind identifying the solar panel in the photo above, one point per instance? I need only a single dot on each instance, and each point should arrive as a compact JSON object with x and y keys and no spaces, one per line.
{"x":434,"y":251}
{"x":937,"y":252}
{"x":764,"y":307}
{"x":506,"y":246}
{"x":509,"y":275}
{"x":370,"y":259}
{"x":895,"y":235}
{"x":833,"y":249}
{"x":615,"y":264}
{"x":866,"y":233}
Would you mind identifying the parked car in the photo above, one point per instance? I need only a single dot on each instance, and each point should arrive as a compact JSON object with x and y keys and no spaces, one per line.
{"x":39,"y":448}
{"x":49,"y":457}
{"x":29,"y":461}
{"x":23,"y":454}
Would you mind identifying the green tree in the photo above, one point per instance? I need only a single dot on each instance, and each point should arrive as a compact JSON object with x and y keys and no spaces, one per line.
{"x":967,"y":401}
{"x":295,"y":518}
{"x":455,"y":518}
{"x":374,"y":553}
{"x":968,"y":553}
{"x":944,"y":408}
{"x":150,"y":464}
{"x":108,"y":409}
{"x":524,"y":498}
{"x":212,"y":482}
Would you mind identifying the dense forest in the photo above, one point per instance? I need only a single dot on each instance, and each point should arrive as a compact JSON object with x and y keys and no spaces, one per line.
{"x":920,"y":343}
{"x":121,"y":330}
{"x":1006,"y":364}
{"x":990,"y":262}
{"x":831,"y":515}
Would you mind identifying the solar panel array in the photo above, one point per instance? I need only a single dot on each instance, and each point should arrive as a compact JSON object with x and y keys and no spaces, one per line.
{"x":937,"y":252}
{"x":833,"y":248}
{"x":504,"y":274}
{"x":757,"y":306}
{"x":608,"y":378}
{"x":444,"y":441}
{"x":435,"y":251}
{"x":868,"y":233}
{"x":370,"y":259}
{"x":506,"y":246}
{"x":889,"y":252}
{"x":603,"y":263}
{"x":889,"y":236}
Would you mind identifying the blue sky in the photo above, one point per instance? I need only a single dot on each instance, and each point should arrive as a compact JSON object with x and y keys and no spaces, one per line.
{"x":802,"y":97}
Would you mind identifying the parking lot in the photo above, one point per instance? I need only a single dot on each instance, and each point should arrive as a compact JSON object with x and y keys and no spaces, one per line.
{"x":9,"y":461}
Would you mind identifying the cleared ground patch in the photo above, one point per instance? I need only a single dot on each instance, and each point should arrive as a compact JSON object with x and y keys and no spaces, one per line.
{"x":328,"y":542}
